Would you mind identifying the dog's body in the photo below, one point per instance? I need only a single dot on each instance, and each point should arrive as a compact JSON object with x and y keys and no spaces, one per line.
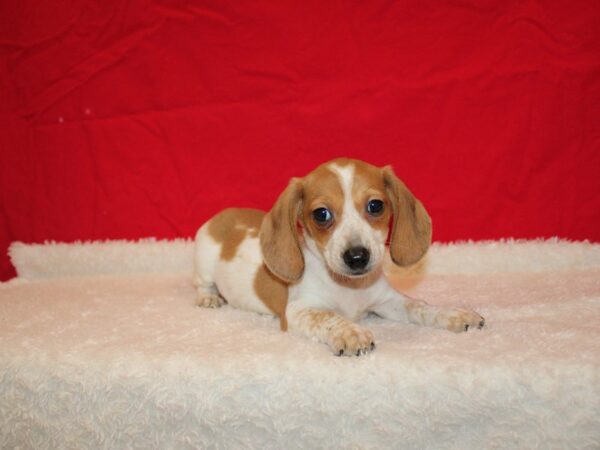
{"x":315,"y":260}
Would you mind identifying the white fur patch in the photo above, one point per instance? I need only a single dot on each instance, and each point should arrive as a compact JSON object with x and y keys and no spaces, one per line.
{"x":352,"y":229}
{"x":233,"y":279}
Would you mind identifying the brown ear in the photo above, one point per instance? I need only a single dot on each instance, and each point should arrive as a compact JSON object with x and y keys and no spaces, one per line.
{"x":279,"y":235}
{"x":411,"y":229}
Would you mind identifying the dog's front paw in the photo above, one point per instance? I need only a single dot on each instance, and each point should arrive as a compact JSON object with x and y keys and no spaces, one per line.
{"x":210,"y":301}
{"x":459,"y":320}
{"x":349,"y":339}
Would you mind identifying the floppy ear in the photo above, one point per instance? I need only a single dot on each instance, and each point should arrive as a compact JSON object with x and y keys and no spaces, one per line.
{"x":279,"y":235}
{"x":411,"y":229}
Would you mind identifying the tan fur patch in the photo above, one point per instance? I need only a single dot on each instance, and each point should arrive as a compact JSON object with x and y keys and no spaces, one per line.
{"x":411,"y":229}
{"x":279,"y":237}
{"x":454,"y":323}
{"x":231,"y":226}
{"x":368,"y":184}
{"x":314,"y":318}
{"x":343,"y":336}
{"x":321,"y":189}
{"x":273,"y":293}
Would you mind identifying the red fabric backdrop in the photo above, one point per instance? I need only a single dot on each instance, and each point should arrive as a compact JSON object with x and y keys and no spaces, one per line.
{"x":128,"y":119}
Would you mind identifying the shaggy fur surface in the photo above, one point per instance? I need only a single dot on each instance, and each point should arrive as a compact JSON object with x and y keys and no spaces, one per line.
{"x":101,"y":346}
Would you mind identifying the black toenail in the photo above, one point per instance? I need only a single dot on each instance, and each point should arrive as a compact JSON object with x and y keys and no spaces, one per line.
{"x":341,"y":352}
{"x":467,"y":327}
{"x":481,"y":324}
{"x":358,"y":353}
{"x":372,"y":345}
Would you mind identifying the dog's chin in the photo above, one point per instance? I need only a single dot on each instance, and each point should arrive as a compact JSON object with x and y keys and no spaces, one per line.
{"x":353,"y":274}
{"x":356,"y":278}
{"x":357,"y":273}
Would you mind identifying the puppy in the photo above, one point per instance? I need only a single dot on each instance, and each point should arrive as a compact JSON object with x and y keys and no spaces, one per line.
{"x":315,"y":260}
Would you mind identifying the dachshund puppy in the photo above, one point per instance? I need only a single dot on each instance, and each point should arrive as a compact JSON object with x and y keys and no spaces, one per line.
{"x":315,"y":259}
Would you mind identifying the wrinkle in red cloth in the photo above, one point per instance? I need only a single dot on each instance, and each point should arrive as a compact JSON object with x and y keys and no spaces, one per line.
{"x":136,"y":119}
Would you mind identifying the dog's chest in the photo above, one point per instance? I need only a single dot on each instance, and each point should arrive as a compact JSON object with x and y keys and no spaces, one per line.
{"x":353,"y":304}
{"x":323,"y":293}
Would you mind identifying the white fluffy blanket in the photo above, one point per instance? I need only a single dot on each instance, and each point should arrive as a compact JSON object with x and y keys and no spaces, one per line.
{"x":101,"y":346}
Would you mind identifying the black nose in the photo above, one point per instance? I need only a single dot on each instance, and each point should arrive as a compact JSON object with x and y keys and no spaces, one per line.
{"x":356,"y":258}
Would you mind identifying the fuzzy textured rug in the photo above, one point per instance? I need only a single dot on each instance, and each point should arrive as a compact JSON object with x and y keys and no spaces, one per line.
{"x":101,"y":346}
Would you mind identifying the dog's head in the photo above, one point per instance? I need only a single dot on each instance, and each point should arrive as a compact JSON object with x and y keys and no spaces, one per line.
{"x":342,"y":212}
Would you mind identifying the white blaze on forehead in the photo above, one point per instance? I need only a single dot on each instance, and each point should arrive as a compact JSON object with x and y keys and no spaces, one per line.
{"x":352,"y":229}
{"x":345,"y":176}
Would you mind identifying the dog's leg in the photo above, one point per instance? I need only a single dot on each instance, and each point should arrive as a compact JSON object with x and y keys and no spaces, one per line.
{"x":343,"y":336}
{"x":405,"y":309}
{"x":206,"y":257}
{"x":208,"y":295}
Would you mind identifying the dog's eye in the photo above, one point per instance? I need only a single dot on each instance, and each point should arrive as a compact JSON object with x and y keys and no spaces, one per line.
{"x":322,"y":217}
{"x":375,"y":207}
